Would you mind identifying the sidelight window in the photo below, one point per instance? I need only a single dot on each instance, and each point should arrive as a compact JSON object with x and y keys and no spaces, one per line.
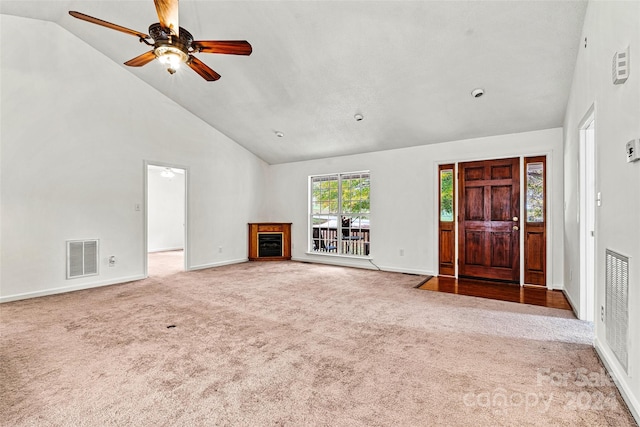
{"x":446,"y":195}
{"x":535,"y":192}
{"x":446,"y":225}
{"x":339,"y":213}
{"x":535,"y":234}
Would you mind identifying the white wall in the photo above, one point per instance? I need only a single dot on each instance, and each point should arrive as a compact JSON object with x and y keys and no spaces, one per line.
{"x":76,"y":130}
{"x":165,"y":210}
{"x":608,"y":27}
{"x":404,"y":197}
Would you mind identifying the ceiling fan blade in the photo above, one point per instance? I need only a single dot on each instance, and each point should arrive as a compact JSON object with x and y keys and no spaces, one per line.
{"x":231,"y":47}
{"x":203,"y":69}
{"x":168,"y":14}
{"x":97,"y":21}
{"x":141,"y":60}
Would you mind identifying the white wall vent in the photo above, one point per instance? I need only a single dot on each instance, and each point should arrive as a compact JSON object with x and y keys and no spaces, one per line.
{"x":617,"y":305}
{"x":82,"y":258}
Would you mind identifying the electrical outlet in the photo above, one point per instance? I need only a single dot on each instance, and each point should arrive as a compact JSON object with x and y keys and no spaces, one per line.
{"x":602,"y":313}
{"x":219,"y":249}
{"x":401,"y":252}
{"x":112,"y":261}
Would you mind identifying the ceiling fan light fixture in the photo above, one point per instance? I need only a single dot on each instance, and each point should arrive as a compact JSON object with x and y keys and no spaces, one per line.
{"x":171,"y":57}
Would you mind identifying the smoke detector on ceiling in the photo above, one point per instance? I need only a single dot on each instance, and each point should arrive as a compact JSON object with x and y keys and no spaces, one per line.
{"x":477,"y":93}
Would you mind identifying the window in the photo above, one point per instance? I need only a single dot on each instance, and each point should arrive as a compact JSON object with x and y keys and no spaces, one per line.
{"x":535,"y":192}
{"x":446,"y":194}
{"x":339,"y":218}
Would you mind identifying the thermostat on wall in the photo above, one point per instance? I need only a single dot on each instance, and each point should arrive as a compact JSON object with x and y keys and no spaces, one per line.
{"x":633,"y":150}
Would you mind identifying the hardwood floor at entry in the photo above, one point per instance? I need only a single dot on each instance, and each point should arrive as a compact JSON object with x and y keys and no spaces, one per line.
{"x":500,"y":291}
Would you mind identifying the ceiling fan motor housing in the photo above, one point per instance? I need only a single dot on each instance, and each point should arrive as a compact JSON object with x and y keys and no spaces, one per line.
{"x":162,"y":37}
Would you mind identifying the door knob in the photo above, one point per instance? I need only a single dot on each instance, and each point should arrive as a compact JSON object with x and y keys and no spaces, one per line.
{"x":515,"y":218}
{"x":516,"y":228}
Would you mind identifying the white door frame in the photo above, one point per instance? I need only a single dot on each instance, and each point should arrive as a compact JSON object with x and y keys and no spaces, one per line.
{"x":548,"y":208}
{"x":587,"y":214}
{"x":145,"y":211}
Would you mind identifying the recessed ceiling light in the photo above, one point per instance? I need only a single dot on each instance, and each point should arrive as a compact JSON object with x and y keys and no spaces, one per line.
{"x":477,"y":93}
{"x":279,"y":134}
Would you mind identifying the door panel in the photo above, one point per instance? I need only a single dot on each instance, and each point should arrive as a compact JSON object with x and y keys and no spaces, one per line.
{"x":535,"y":248}
{"x":474,"y":206}
{"x":501,"y":250}
{"x":489,"y":243}
{"x":447,"y":248}
{"x":473,"y":174}
{"x":501,"y":203}
{"x":501,"y":172}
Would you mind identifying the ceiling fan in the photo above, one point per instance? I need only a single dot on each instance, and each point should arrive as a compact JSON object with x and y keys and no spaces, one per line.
{"x":172,"y":44}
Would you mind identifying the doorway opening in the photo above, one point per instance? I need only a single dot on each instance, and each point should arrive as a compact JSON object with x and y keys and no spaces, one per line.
{"x":587,"y":215}
{"x":165,"y":225}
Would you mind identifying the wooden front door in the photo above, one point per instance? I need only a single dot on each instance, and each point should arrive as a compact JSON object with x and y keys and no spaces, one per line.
{"x":489,"y":219}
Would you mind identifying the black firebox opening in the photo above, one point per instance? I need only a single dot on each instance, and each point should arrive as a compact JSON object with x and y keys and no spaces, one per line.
{"x":269,"y":244}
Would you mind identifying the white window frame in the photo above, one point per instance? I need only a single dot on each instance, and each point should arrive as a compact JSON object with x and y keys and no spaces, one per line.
{"x":357,"y":245}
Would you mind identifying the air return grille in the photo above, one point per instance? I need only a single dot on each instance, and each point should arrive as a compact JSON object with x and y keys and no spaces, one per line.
{"x":82,"y":258}
{"x":617,"y":301}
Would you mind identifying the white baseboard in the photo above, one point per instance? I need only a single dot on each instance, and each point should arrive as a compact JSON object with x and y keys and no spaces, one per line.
{"x":71,"y":288}
{"x":573,"y":306}
{"x":618,"y":378}
{"x":217,"y":264}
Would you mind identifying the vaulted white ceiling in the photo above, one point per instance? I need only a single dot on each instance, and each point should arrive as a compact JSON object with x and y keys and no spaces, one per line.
{"x":407,"y":66}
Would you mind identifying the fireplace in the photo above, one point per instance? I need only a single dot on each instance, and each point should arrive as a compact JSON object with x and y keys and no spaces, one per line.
{"x":269,"y":244}
{"x":269,"y":241}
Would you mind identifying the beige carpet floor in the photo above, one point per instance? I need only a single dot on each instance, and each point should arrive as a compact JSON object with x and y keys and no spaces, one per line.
{"x":287,"y":343}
